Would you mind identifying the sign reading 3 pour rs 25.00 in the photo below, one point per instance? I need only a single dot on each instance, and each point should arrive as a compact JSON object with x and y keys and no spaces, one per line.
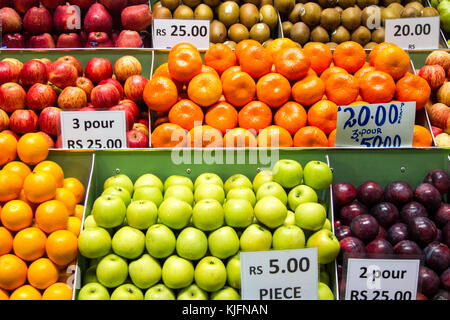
{"x":166,"y":33}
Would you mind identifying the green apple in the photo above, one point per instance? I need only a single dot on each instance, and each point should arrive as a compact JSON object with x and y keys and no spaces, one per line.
{"x":177,"y":272}
{"x":327,"y":245}
{"x":317,"y":175}
{"x":310,"y":216}
{"x":175,"y":213}
{"x":290,"y":218}
{"x":323,"y":203}
{"x":193,"y":292}
{"x":151,"y":193}
{"x":324,"y":277}
{"x":149,"y":180}
{"x":208,"y":215}
{"x":238,"y":212}
{"x":288,"y":173}
{"x":90,"y":276}
{"x":255,"y":238}
{"x":288,"y":237}
{"x":223,"y":242}
{"x":272,"y":189}
{"x":145,"y":271}
{"x":119,"y":191}
{"x":301,"y":194}
{"x":262,"y":177}
{"x":270,"y":211}
{"x":176,"y":180}
{"x":159,"y":292}
{"x":160,"y":241}
{"x":89,"y":222}
{"x":226,"y":293}
{"x":237,"y":181}
{"x":192,"y":244}
{"x":94,"y":242}
{"x":109,"y":211}
{"x":127,"y":291}
{"x":325,"y":292}
{"x":128,"y":242}
{"x":207,"y":177}
{"x":234,"y":271}
{"x":210,"y":274}
{"x":327,"y":225}
{"x":209,"y":191}
{"x":119,"y":180}
{"x":141,"y":214}
{"x":93,"y":291}
{"x":180,"y":192}
{"x":112,"y":271}
{"x":242,"y":193}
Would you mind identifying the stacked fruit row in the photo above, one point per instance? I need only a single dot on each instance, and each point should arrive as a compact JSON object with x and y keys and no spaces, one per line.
{"x":32,"y":94}
{"x":40,"y":219}
{"x":75,"y":23}
{"x":181,"y":238}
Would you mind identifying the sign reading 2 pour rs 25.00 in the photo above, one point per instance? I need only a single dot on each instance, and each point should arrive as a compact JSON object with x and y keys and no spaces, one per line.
{"x":166,"y":33}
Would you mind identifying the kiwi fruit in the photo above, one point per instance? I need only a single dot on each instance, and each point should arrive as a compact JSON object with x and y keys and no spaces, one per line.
{"x":255,"y":2}
{"x":330,"y":19}
{"x":378,"y":35}
{"x":192,"y":3}
{"x":203,"y":12}
{"x":386,"y":3}
{"x":183,"y":12}
{"x":157,"y":4}
{"x":320,"y":34}
{"x":429,"y":12}
{"x":371,"y":17}
{"x":300,"y":33}
{"x":228,"y":13}
{"x":362,"y":35}
{"x":366,"y":3}
{"x":260,"y":32}
{"x":238,"y":32}
{"x":410,"y":12}
{"x":286,"y":26}
{"x":217,"y":32}
{"x":230,"y":43}
{"x":370,"y":45}
{"x":264,"y":2}
{"x":341,"y":34}
{"x":389,"y":13}
{"x":211,"y":3}
{"x":351,"y":18}
{"x":269,"y":16}
{"x":294,"y":16}
{"x":248,"y":15}
{"x":170,"y":4}
{"x":332,"y":45}
{"x":396,"y":7}
{"x":338,"y":9}
{"x":344,"y":4}
{"x":311,"y":14}
{"x":415,"y":4}
{"x":328,"y":3}
{"x":162,"y":13}
{"x":284,"y":6}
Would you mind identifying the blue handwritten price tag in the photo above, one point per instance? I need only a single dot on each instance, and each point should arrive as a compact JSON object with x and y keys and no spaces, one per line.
{"x":385,"y":125}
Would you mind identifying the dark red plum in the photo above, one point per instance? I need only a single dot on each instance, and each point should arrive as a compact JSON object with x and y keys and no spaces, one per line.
{"x":364,"y":227}
{"x":337,"y":223}
{"x":343,"y":193}
{"x":440,"y":179}
{"x":352,"y":247}
{"x":445,"y":279}
{"x":382,"y":233}
{"x":442,"y":294}
{"x":407,"y":248}
{"x":411,"y":210}
{"x":386,"y":214}
{"x":437,"y":256}
{"x":442,"y":215}
{"x":398,"y":192}
{"x":379,"y":247}
{"x":446,"y":234}
{"x":350,"y":211}
{"x":428,"y":281}
{"x":370,"y":193}
{"x":429,"y":196}
{"x":397,"y":232}
{"x":422,"y":230}
{"x":342,"y":232}
{"x":438,"y":235}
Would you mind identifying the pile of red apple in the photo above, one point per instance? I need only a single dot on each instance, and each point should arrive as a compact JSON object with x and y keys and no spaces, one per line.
{"x":401,"y":221}
{"x":32,"y":94}
{"x":75,"y":23}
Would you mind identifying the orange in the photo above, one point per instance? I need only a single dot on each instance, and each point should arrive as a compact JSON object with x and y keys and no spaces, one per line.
{"x":377,"y":87}
{"x":18,"y":167}
{"x":32,"y":148}
{"x":208,"y":69}
{"x":42,"y":273}
{"x":330,"y":71}
{"x":358,"y":74}
{"x":243,"y":45}
{"x":256,"y":115}
{"x":183,"y":45}
{"x":74,"y":225}
{"x":67,"y":197}
{"x":16,"y":215}
{"x":168,"y":135}
{"x":277,"y":45}
{"x":229,"y":71}
{"x":58,"y":291}
{"x":184,"y":63}
{"x":205,"y":89}
{"x":332,"y":138}
{"x":293,"y":63}
{"x":163,"y":71}
{"x":274,"y":136}
{"x":220,"y":57}
{"x":54,"y":169}
{"x":160,"y":94}
{"x":320,"y":56}
{"x":349,"y":55}
{"x":310,"y":137}
{"x":291,"y":116}
{"x":10,"y":185}
{"x":78,"y":212}
{"x":205,"y":137}
{"x":323,"y":115}
{"x":51,"y":216}
{"x":222,"y":116}
{"x":239,"y":138}
{"x":308,"y":90}
{"x":239,"y":88}
{"x":421,"y":137}
{"x":13,"y":272}
{"x":186,"y":114}
{"x":62,"y":247}
{"x":26,"y":292}
{"x":76,"y":187}
{"x":375,"y":50}
{"x":8,"y":145}
{"x":29,"y":244}
{"x":39,"y":186}
{"x":393,"y":60}
{"x":256,"y":61}
{"x":413,"y":88}
{"x":273,"y":89}
{"x":342,"y":88}
{"x":6,"y":241}
{"x":4,"y":295}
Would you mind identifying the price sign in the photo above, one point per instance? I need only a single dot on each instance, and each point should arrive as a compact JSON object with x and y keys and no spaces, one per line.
{"x":413,"y":33}
{"x":93,"y":130}
{"x":381,"y":279}
{"x":279,"y":275}
{"x":386,"y":125}
{"x":166,"y":33}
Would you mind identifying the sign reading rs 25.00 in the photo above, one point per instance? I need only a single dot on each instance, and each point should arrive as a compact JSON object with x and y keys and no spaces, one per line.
{"x":166,"y":33}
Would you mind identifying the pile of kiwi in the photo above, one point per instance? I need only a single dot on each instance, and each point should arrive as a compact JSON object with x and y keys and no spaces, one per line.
{"x":231,"y":21}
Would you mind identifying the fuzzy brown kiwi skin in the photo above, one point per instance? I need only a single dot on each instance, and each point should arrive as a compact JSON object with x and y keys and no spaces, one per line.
{"x":300,"y":33}
{"x":330,"y":19}
{"x":218,"y":32}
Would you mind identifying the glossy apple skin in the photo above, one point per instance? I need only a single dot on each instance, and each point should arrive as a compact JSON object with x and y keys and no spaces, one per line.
{"x":66,"y":19}
{"x":134,"y":107}
{"x":4,"y":120}
{"x":13,"y":40}
{"x":98,"y":69}
{"x":440,"y":179}
{"x":10,"y":20}
{"x":69,"y":40}
{"x":24,"y":121}
{"x":343,"y":193}
{"x":437,"y":256}
{"x":428,"y":281}
{"x":49,"y":120}
{"x":99,"y":40}
{"x":386,"y":213}
{"x":105,"y":96}
{"x":42,"y":41}
{"x":33,"y":71}
{"x":407,"y":248}
{"x":37,"y":21}
{"x":8,"y":72}
{"x":12,"y":97}
{"x":429,"y":196}
{"x":422,"y":230}
{"x":349,"y":211}
{"x":411,"y":210}
{"x":137,"y":18}
{"x":370,"y":193}
{"x":114,"y":83}
{"x":129,"y":117}
{"x":72,"y":98}
{"x":73,"y":61}
{"x":379,"y":247}
{"x":62,"y":74}
{"x":129,"y":39}
{"x":342,"y":232}
{"x":442,"y":215}
{"x":85,"y":84}
{"x":134,"y":88}
{"x":137,"y":139}
{"x":365,"y":227}
{"x":351,"y":247}
{"x":398,"y":192}
{"x":397,"y":232}
{"x":41,"y":96}
{"x":97,"y":18}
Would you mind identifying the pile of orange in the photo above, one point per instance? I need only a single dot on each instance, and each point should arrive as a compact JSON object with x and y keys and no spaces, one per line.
{"x":280,"y":95}
{"x":40,"y":219}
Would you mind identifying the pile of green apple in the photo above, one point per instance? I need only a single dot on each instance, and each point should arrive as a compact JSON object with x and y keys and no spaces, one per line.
{"x":181,"y":239}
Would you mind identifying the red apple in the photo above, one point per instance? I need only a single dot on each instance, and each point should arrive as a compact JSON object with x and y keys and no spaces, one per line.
{"x":114,"y":6}
{"x":434,"y":74}
{"x":99,"y":40}
{"x":137,"y":139}
{"x":443,"y":93}
{"x":438,"y":114}
{"x":11,"y":20}
{"x":134,"y":87}
{"x":8,"y":72}
{"x":4,"y":120}
{"x":49,"y":120}
{"x":98,"y":19}
{"x":41,"y":96}
{"x":69,"y":40}
{"x":24,"y":121}
{"x":105,"y":96}
{"x":11,"y":133}
{"x":129,"y":116}
{"x":72,"y":98}
{"x":33,"y":71}
{"x":137,"y":17}
{"x":12,"y":97}
{"x":83,"y":4}
{"x":141,"y":127}
{"x":133,"y":106}
{"x":62,"y":74}
{"x":129,"y":39}
{"x":85,"y":84}
{"x":66,"y":19}
{"x":13,"y":40}
{"x":127,"y":66}
{"x":6,"y":3}
{"x":51,"y":143}
{"x":73,"y":61}
{"x":436,"y":130}
{"x":38,"y":21}
{"x":43,"y":41}
{"x":439,"y":57}
{"x":98,"y":69}
{"x":23,"y":6}
{"x":115,"y":83}
{"x":52,"y":4}
{"x":144,"y":121}
{"x":88,"y":108}
{"x":58,"y":143}
{"x":15,"y":62}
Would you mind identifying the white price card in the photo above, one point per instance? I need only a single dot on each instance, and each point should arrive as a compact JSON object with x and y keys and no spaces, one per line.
{"x":166,"y":33}
{"x":93,"y":130}
{"x":280,"y":275}
{"x":382,"y":279}
{"x":413,"y":33}
{"x":385,"y":125}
